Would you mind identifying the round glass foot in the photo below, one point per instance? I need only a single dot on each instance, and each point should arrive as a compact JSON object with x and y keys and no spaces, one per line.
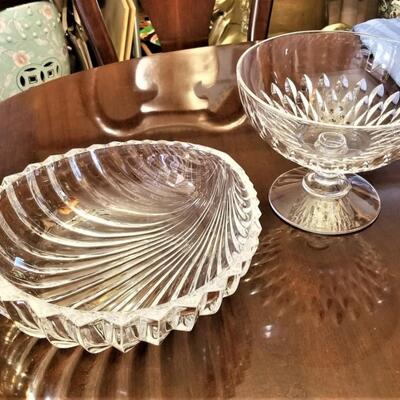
{"x":324,"y":205}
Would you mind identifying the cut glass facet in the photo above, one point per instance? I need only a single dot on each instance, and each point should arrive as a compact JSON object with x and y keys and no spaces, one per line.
{"x":122,"y":243}
{"x":330,"y":102}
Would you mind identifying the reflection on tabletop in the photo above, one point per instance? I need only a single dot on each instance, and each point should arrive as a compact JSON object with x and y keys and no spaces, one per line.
{"x":325,"y":303}
{"x":337,"y":285}
{"x":32,"y":368}
{"x":204,"y":96}
{"x":337,"y":289}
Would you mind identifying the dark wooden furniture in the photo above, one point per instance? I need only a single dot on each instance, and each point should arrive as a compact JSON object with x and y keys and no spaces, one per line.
{"x":180,"y":24}
{"x":260,"y":18}
{"x":93,"y":23}
{"x":314,"y":317}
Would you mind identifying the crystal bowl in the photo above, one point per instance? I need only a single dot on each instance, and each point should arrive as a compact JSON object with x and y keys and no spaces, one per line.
{"x":330,"y":102}
{"x":121,"y":243}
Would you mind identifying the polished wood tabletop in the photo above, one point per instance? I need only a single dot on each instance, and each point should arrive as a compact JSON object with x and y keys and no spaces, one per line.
{"x":315,"y":317}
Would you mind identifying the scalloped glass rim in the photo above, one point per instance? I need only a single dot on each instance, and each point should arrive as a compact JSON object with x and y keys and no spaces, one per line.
{"x":293,"y":117}
{"x":44,"y":309}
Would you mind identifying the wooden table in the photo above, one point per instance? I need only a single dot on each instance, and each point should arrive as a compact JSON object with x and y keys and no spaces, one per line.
{"x":314,"y":317}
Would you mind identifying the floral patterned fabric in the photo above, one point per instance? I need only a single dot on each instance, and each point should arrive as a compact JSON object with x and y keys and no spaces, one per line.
{"x":32,"y":47}
{"x":389,"y":8}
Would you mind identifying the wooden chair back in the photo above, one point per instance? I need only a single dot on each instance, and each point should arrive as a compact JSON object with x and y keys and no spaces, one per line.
{"x":260,"y":18}
{"x":95,"y":27}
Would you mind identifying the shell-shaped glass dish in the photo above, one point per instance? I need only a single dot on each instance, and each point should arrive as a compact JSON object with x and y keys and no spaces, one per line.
{"x":121,"y":243}
{"x":329,"y":101}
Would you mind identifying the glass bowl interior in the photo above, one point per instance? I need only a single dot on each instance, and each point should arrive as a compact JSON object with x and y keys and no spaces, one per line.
{"x":326,"y":100}
{"x":126,"y":227}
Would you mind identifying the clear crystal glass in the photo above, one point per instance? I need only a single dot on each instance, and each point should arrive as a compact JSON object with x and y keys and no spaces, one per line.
{"x":121,"y":243}
{"x":328,"y":101}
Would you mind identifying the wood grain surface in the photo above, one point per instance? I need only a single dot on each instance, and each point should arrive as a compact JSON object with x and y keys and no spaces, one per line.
{"x":180,"y":24}
{"x":315,"y":317}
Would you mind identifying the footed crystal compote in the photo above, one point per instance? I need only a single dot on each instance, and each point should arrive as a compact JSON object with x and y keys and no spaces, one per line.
{"x":330,"y":102}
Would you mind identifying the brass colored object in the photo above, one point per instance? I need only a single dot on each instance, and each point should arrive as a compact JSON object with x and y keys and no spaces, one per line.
{"x":337,"y":27}
{"x":231,"y":17}
{"x":229,"y":22}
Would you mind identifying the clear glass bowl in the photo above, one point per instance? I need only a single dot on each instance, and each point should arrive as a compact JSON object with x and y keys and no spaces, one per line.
{"x":122,"y":243}
{"x":330,"y":102}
